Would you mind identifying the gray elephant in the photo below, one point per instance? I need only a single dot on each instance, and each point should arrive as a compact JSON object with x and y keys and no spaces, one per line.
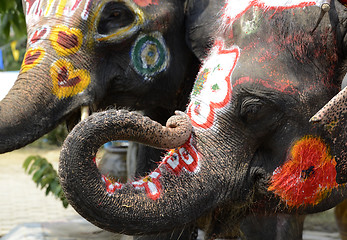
{"x":251,"y":149}
{"x":94,"y":54}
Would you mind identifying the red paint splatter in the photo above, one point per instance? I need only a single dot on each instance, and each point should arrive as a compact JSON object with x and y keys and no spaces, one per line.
{"x":308,"y":174}
{"x":145,"y":3}
{"x":283,"y":85}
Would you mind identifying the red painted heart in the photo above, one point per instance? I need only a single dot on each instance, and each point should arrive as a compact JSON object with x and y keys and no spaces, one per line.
{"x":65,"y":81}
{"x":30,"y":58}
{"x":38,"y":34}
{"x":67,"y":41}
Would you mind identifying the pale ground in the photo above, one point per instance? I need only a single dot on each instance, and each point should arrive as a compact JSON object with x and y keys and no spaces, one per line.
{"x":22,"y":202}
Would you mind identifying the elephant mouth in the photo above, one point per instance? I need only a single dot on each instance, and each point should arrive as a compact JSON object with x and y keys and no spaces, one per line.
{"x":79,"y":115}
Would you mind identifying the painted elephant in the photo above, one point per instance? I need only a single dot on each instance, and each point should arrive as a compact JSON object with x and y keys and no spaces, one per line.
{"x":252,"y":148}
{"x":132,"y":53}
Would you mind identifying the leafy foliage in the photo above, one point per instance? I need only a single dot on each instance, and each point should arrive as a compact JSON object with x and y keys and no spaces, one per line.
{"x":12,"y":28}
{"x":45,"y":176}
{"x":12,"y":18}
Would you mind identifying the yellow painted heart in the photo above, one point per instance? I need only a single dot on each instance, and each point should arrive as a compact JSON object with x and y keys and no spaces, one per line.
{"x":32,"y":57}
{"x":68,"y":81}
{"x":65,"y":40}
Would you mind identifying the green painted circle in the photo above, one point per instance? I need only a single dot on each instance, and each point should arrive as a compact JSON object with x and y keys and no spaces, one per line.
{"x":149,"y":55}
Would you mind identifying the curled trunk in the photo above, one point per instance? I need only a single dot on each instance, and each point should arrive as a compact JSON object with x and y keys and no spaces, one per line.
{"x":183,"y":196}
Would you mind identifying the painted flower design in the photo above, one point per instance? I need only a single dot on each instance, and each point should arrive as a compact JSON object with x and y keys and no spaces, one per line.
{"x":212,"y":89}
{"x":308,"y":174}
{"x":68,"y":81}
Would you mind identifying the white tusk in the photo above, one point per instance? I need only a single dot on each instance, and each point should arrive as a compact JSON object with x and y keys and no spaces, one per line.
{"x":84,"y":112}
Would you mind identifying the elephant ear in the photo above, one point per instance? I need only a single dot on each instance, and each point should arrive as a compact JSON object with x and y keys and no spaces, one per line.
{"x":201,"y":18}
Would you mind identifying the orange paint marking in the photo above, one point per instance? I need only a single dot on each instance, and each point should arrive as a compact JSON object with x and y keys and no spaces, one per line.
{"x":308,"y":174}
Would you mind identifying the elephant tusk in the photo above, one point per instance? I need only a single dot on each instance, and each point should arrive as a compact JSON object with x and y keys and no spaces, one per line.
{"x":333,"y":110}
{"x":84,"y":112}
{"x":325,"y":7}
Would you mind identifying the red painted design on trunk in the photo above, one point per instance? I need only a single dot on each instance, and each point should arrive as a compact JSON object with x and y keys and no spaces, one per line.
{"x":308,"y":174}
{"x":38,"y":35}
{"x":185,"y":157}
{"x":151,"y":184}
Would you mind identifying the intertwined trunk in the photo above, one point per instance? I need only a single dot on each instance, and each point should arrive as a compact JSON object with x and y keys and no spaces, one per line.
{"x":184,"y":195}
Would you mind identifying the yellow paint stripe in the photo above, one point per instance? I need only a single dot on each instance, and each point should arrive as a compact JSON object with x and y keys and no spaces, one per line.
{"x":49,"y":6}
{"x":139,"y":21}
{"x":61,"y":7}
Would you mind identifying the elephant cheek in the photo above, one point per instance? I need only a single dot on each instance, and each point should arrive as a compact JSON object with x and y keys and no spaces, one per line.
{"x":307,"y":176}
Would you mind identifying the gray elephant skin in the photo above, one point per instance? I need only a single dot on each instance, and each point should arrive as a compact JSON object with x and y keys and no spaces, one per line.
{"x":252,"y":148}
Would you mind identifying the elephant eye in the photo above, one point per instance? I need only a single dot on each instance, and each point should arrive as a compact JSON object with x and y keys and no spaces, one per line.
{"x":251,"y":109}
{"x":114,"y":16}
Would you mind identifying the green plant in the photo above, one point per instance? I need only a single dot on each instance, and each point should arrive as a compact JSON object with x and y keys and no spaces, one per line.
{"x":46,"y":176}
{"x":12,"y":31}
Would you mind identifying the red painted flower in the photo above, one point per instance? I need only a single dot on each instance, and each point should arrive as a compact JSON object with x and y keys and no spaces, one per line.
{"x":308,"y":174}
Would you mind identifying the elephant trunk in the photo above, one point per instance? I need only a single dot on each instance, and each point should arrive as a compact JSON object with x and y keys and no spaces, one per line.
{"x":163,"y":200}
{"x":26,"y":112}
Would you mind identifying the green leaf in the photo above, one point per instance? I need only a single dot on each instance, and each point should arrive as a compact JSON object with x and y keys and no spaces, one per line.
{"x":28,"y":161}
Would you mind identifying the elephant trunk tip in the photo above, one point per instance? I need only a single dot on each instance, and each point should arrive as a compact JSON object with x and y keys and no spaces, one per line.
{"x":179,"y":127}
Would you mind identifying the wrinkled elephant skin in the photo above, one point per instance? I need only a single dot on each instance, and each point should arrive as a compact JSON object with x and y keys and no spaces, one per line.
{"x":266,"y":74}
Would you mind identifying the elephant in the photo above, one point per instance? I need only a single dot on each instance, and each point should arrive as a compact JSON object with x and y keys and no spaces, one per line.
{"x":86,"y":55}
{"x":139,"y":54}
{"x":251,"y":147}
{"x":92,"y":52}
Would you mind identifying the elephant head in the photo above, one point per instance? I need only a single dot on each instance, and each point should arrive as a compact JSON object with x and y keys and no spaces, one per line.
{"x":252,"y":147}
{"x":93,"y":54}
